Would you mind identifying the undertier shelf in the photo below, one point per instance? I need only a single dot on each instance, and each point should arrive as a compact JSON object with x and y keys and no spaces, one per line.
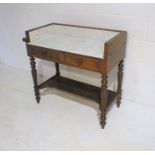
{"x":78,"y":88}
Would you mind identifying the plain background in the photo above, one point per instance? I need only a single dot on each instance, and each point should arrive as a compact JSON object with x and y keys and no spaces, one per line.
{"x":137,"y":19}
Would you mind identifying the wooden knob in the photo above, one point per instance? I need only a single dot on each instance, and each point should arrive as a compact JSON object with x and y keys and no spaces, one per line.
{"x":79,"y":61}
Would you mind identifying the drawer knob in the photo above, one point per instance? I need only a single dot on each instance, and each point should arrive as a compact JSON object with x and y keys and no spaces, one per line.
{"x":79,"y":61}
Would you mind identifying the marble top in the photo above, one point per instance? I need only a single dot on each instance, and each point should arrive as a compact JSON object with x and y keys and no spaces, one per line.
{"x":79,"y":40}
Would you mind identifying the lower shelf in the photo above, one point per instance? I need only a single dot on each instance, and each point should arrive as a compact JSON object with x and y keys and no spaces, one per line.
{"x":79,"y":88}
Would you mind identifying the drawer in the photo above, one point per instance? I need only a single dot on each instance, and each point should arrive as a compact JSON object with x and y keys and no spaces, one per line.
{"x":82,"y":62}
{"x":43,"y":53}
{"x":66,"y":58}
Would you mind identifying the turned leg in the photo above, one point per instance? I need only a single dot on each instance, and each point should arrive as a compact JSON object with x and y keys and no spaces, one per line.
{"x":103,"y":101}
{"x":34,"y":76}
{"x":120,"y":77}
{"x":57,"y":68}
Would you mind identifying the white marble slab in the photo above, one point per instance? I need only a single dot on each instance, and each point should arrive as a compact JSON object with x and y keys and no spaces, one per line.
{"x":84,"y":41}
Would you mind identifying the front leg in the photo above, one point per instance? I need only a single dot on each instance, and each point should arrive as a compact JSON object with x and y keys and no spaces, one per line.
{"x":103,"y":100}
{"x":119,"y":88}
{"x":34,"y":76}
